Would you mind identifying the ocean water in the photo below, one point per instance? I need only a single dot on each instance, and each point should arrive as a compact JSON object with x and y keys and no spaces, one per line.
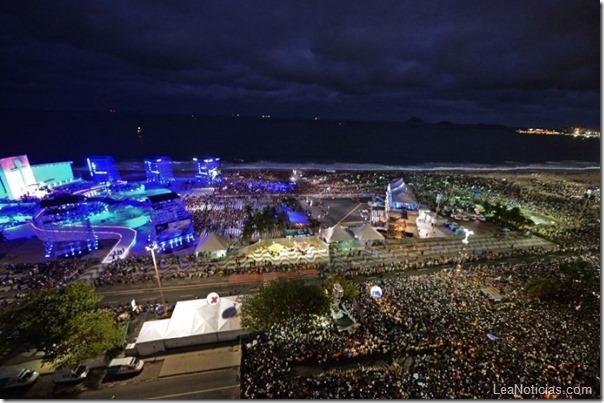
{"x":250,"y":142}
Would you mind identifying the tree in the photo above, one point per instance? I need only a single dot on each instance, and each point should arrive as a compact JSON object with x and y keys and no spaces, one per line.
{"x":53,"y":320}
{"x":3,"y":240}
{"x":576,"y":280}
{"x":542,"y":286}
{"x":89,"y":334}
{"x":580,"y":277}
{"x":248,"y":229}
{"x":351,"y":290}
{"x":281,"y":300}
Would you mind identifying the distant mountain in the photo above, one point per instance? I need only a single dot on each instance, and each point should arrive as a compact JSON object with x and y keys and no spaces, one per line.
{"x":415,"y":121}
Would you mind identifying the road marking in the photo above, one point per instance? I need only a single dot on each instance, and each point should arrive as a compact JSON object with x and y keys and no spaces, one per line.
{"x":193,"y":392}
{"x":350,"y":212}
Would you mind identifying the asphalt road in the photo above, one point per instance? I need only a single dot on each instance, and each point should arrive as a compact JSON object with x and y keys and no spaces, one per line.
{"x":216,"y":384}
{"x":182,"y":290}
{"x":219,"y":384}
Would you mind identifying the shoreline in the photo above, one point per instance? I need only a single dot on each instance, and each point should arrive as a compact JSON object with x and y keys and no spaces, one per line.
{"x":550,"y":167}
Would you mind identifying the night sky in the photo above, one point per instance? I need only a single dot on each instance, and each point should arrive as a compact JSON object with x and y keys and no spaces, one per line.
{"x":517,"y":63}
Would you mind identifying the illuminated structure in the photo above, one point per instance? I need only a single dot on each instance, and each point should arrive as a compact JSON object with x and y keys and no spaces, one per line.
{"x":400,"y":197}
{"x":208,"y":170}
{"x":63,"y":225}
{"x":53,"y":174}
{"x":18,"y":178}
{"x":340,"y":315}
{"x":103,"y":169}
{"x":581,"y":132}
{"x":159,"y":170}
{"x":172,"y":224}
{"x":15,"y":177}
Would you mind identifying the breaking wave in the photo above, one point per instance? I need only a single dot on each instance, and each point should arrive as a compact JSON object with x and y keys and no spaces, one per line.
{"x":558,"y":166}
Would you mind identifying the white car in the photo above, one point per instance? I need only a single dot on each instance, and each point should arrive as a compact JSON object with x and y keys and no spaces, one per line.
{"x":70,"y":374}
{"x":125,"y":366}
{"x":17,"y":377}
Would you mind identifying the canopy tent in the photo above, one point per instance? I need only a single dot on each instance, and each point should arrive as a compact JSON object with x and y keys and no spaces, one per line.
{"x":212,"y":243}
{"x":336,"y":234}
{"x":193,"y":322}
{"x":366,"y":233}
{"x":152,"y":332}
{"x":400,"y":195}
{"x":403,"y":198}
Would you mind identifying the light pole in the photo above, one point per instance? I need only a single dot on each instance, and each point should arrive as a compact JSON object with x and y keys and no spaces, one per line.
{"x":468,"y":233}
{"x":152,"y":248}
{"x":465,"y":241}
{"x":462,"y":256}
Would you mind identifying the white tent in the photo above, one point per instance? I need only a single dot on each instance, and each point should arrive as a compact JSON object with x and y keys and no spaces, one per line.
{"x":212,"y":243}
{"x":152,"y":333}
{"x":400,"y":193}
{"x":366,"y":233}
{"x":193,"y":322}
{"x":336,"y":234}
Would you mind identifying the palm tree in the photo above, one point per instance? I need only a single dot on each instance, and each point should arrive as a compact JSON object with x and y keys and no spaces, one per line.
{"x":3,"y":240}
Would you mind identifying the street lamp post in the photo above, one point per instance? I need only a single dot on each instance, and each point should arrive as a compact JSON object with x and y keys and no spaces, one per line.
{"x":465,"y":241}
{"x":152,"y":248}
{"x":462,"y":255}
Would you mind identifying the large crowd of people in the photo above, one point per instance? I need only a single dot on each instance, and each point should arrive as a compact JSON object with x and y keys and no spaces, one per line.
{"x":435,"y":336}
{"x":568,"y":207}
{"x":431,"y":336}
{"x":223,"y":215}
{"x":53,"y":274}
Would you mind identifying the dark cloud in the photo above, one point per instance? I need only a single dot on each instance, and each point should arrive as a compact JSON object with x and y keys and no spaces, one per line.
{"x":512,"y":62}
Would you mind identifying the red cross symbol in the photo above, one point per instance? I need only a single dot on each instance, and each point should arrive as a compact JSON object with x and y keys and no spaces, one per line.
{"x":214,"y":300}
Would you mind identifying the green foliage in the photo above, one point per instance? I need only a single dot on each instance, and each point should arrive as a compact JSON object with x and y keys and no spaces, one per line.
{"x":89,"y":334}
{"x":580,"y":277}
{"x":281,"y":300}
{"x":542,"y":287}
{"x":576,"y":280}
{"x":351,"y":290}
{"x":50,"y":320}
{"x":264,"y":221}
{"x":499,"y":213}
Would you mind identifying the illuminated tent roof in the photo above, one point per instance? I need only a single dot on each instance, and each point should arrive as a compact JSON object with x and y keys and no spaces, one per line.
{"x":366,"y":233}
{"x":401,"y":193}
{"x":336,"y":234}
{"x":211,"y":243}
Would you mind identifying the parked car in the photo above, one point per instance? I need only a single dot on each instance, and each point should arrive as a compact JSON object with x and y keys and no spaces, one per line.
{"x":70,"y":374}
{"x":125,"y":366}
{"x":17,"y":377}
